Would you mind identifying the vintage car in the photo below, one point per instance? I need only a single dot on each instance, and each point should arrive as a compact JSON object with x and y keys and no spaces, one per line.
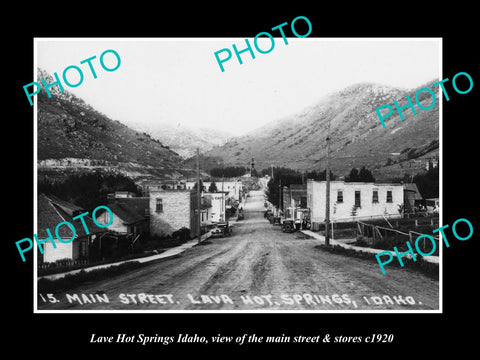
{"x":288,"y":226}
{"x":277,"y":220}
{"x":221,"y":230}
{"x":240,"y":215}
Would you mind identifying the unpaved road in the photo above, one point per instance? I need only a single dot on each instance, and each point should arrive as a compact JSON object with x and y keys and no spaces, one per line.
{"x":258,"y":268}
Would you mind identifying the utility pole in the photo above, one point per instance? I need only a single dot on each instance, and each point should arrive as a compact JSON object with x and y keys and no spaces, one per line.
{"x":291,"y":195}
{"x":327,"y":193}
{"x":223,"y":217}
{"x":199,"y":197}
{"x":279,"y":196}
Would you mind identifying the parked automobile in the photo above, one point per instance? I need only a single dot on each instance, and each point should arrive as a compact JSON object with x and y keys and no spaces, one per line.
{"x":240,"y":215}
{"x":221,"y":230}
{"x":288,"y":226}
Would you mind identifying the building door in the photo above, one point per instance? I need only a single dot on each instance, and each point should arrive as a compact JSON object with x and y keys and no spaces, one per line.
{"x":357,"y":199}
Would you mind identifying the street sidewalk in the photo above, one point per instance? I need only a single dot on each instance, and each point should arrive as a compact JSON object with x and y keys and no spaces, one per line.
{"x":342,"y":243}
{"x":168,"y":254}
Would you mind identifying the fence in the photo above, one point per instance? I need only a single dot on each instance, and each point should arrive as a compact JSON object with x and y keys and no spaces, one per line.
{"x":422,"y":244}
{"x":66,"y":262}
{"x":374,"y":234}
{"x":430,"y":220}
{"x":397,"y":221}
{"x":66,"y":265}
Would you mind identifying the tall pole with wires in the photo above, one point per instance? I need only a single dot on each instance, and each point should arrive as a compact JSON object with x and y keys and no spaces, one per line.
{"x":327,"y":191}
{"x":199,"y":198}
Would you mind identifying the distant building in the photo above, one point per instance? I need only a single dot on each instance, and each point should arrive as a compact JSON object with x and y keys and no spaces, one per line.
{"x":432,"y":163}
{"x":171,"y":210}
{"x":205,"y":212}
{"x":218,"y":205}
{"x":351,"y":201}
{"x":411,"y":197}
{"x":433,"y":205}
{"x":295,"y":195}
{"x":130,"y":216}
{"x":233,"y":187}
{"x":52,"y":211}
{"x":123,"y":194}
{"x":157,"y":185}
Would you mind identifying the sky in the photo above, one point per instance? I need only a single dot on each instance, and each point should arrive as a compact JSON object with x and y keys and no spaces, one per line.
{"x":178,"y":81}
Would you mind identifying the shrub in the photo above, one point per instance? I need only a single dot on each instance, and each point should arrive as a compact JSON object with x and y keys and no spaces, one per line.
{"x":182,"y":234}
{"x":71,"y":281}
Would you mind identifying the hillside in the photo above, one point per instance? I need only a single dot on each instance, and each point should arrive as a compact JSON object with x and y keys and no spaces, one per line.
{"x":72,"y":136}
{"x":184,"y":140}
{"x":357,"y":137}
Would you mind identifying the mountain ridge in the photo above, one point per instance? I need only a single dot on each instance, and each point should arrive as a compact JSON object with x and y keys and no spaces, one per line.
{"x":184,"y":140}
{"x":358,"y":139}
{"x":68,"y":128}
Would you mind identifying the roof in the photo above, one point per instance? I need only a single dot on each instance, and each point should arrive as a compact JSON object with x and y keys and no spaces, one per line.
{"x":413,"y":190}
{"x":69,"y":208}
{"x":302,"y":187}
{"x":52,"y":211}
{"x":356,"y":182}
{"x":124,"y":212}
{"x":138,"y":206}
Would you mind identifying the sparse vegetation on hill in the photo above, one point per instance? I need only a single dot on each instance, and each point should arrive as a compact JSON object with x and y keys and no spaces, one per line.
{"x":69,"y":128}
{"x":357,"y":137}
{"x":88,"y":190}
{"x":228,"y":171}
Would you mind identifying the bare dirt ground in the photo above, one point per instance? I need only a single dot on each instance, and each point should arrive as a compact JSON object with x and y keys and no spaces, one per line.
{"x":258,"y":268}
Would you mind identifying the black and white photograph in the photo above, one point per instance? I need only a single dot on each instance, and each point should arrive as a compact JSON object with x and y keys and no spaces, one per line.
{"x":183,"y":185}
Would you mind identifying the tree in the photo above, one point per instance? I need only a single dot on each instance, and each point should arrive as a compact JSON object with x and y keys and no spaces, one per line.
{"x":286,"y":177}
{"x":213,"y":187}
{"x":353,"y":176}
{"x":364,"y":175}
{"x":228,"y":171}
{"x":428,"y":183}
{"x":319,"y":175}
{"x":353,"y":211}
{"x":89,"y":190}
{"x":273,"y":193}
{"x":202,"y":187}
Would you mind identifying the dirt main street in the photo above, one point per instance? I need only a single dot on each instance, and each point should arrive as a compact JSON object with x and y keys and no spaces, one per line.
{"x":258,"y":268}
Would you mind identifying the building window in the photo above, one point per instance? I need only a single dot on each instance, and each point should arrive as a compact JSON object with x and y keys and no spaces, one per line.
{"x":303,"y":202}
{"x":357,"y":199}
{"x":159,"y":205}
{"x":375,"y":196}
{"x":339,"y":196}
{"x":389,"y":196}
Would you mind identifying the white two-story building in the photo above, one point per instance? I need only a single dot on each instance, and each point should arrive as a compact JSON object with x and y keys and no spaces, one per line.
{"x":351,"y":201}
